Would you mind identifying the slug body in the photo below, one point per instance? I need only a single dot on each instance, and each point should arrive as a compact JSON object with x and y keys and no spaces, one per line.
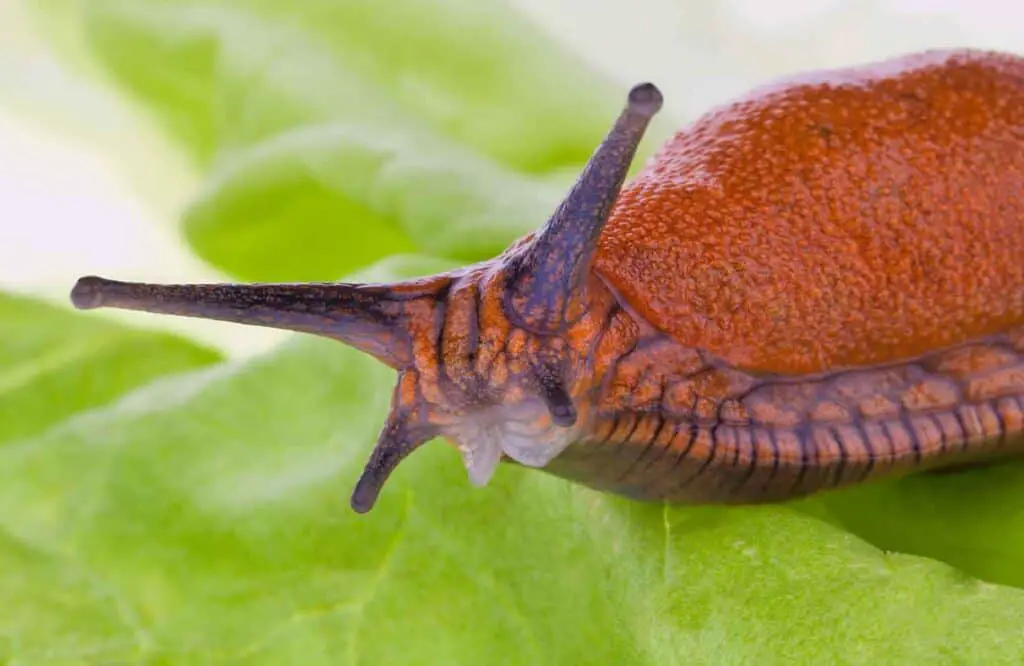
{"x":814,"y":286}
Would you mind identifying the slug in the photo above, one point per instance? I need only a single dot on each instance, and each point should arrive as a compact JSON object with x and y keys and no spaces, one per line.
{"x":817,"y":285}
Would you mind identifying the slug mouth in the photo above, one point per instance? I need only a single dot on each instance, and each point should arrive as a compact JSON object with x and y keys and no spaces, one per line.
{"x":523,"y":433}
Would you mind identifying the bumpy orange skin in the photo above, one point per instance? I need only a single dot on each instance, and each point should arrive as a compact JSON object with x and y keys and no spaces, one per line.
{"x":847,"y":218}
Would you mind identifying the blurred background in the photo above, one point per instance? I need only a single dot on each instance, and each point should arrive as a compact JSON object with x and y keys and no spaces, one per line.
{"x":158,"y":505}
{"x":90,"y":183}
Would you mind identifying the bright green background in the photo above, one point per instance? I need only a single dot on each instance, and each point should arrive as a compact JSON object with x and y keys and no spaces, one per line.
{"x":162,"y":506}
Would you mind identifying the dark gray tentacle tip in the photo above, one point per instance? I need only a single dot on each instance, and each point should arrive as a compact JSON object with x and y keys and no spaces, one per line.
{"x":397,"y":440}
{"x":367,"y":491}
{"x":87,"y":294}
{"x":645,"y":99}
{"x":383,"y":461}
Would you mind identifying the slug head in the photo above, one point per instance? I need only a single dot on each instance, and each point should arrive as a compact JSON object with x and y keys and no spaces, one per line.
{"x":490,"y":357}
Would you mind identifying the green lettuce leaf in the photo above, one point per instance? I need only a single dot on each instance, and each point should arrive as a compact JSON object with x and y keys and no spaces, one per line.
{"x":225,"y":74}
{"x":205,"y":519}
{"x":317,"y":200}
{"x":55,"y":364}
{"x":331,"y":134}
{"x":972,"y":519}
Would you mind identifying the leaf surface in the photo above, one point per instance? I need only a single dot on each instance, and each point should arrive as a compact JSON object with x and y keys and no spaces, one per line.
{"x":55,"y":363}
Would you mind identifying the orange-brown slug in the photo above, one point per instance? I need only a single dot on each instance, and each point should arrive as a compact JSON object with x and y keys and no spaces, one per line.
{"x":817,"y":285}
